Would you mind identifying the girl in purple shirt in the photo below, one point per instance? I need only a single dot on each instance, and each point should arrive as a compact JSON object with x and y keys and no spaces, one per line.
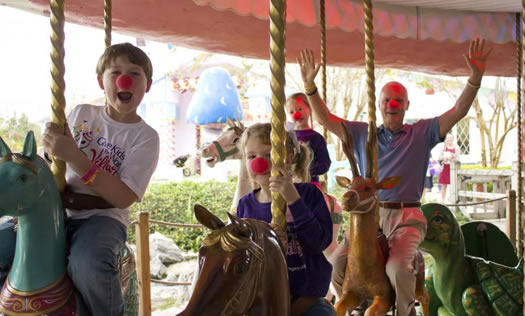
{"x":301,"y":114}
{"x":309,"y":227}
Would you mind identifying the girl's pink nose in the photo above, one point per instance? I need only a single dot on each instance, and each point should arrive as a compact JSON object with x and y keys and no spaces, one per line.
{"x":259,"y":165}
{"x":297,"y":116}
{"x":124,"y":82}
{"x":393,"y":104}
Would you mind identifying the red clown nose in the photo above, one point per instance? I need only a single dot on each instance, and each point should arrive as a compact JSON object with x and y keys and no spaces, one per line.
{"x":297,"y":116}
{"x":124,"y":82}
{"x":259,"y":165}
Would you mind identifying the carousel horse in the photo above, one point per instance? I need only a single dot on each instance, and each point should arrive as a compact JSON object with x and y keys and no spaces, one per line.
{"x":242,"y":269}
{"x":225,"y":148}
{"x":38,"y":283}
{"x":365,"y":275}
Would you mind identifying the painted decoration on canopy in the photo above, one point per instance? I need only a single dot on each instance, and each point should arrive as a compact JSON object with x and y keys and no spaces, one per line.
{"x":215,"y":99}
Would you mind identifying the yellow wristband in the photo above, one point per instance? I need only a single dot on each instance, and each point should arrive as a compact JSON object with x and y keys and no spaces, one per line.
{"x":92,"y":178}
{"x":310,"y":87}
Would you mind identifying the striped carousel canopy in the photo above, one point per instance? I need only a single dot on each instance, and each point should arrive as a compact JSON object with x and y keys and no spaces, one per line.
{"x":424,"y":35}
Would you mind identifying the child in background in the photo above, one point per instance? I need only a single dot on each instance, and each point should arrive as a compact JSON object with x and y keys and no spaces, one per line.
{"x":301,"y":114}
{"x":309,"y":228}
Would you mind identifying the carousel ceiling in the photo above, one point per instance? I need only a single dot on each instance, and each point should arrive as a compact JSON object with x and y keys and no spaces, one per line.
{"x":425,"y":35}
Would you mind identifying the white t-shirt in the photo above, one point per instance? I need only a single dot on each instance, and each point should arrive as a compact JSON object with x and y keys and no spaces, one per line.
{"x":128,"y":150}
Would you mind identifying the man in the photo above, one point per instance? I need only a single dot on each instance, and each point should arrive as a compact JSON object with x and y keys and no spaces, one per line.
{"x":403,"y":150}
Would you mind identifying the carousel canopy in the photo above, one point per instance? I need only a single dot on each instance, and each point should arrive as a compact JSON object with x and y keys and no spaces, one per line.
{"x":425,"y":35}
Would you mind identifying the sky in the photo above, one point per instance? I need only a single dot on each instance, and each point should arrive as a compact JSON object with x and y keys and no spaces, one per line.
{"x":25,"y":61}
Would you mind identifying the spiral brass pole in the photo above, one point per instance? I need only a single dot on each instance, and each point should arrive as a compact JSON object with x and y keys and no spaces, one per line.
{"x":322,"y":23}
{"x":519,"y":193}
{"x":520,"y":149}
{"x":107,"y":22}
{"x":278,"y":135}
{"x":370,"y":81}
{"x":58,"y":102}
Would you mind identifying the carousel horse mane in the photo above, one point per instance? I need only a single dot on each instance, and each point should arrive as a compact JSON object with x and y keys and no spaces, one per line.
{"x":242,"y":267}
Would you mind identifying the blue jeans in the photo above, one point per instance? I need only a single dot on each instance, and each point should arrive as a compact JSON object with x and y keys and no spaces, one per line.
{"x":320,"y":308}
{"x":94,"y":247}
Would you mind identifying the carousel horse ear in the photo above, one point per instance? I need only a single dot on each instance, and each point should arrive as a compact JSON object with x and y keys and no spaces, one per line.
{"x":30,"y":146}
{"x":4,"y":149}
{"x":343,"y":182}
{"x":206,"y":218}
{"x":230,"y":122}
{"x":240,"y":226}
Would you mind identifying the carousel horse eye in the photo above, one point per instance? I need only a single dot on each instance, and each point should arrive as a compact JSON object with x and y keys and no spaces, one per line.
{"x":236,"y":140}
{"x":437,"y":220}
{"x":241,"y":267}
{"x":23,"y":177}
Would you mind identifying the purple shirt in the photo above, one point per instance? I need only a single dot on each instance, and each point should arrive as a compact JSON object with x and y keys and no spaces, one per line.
{"x":321,"y":162}
{"x":404,"y":153}
{"x":309,"y":233}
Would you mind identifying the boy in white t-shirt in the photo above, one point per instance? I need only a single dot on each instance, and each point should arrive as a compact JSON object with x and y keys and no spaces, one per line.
{"x":111,"y":154}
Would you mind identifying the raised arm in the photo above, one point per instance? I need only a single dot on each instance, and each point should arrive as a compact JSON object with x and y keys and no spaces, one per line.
{"x":476,"y":61}
{"x":321,"y":112}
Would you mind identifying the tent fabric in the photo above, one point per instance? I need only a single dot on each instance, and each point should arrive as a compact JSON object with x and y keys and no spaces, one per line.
{"x":416,"y":22}
{"x":427,"y":38}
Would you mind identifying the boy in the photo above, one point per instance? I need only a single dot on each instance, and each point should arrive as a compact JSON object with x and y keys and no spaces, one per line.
{"x":111,"y":154}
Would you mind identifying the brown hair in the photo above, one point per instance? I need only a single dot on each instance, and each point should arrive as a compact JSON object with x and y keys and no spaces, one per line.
{"x":134,"y":54}
{"x":302,"y":153}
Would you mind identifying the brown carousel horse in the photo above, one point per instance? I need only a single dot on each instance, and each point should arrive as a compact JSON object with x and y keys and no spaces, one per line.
{"x":242,"y":269}
{"x":365,"y":276}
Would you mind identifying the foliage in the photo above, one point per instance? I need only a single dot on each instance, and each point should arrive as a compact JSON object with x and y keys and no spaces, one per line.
{"x":173,"y":202}
{"x":13,"y":131}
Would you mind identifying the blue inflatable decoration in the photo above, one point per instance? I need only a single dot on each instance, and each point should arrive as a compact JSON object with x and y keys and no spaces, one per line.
{"x":215,"y":99}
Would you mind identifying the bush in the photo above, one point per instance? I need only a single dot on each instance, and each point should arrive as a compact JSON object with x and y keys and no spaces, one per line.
{"x":173,"y":202}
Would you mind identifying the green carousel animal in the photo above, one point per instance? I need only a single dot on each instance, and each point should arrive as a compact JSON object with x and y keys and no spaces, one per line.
{"x":37,"y":283}
{"x":463,"y":284}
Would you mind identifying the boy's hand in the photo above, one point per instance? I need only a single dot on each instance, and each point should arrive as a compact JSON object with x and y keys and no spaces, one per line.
{"x":284,"y":185}
{"x":308,"y":67}
{"x":477,"y":59}
{"x":57,"y":143}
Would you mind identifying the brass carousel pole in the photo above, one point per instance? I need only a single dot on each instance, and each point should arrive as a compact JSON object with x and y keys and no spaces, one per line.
{"x":278,"y":121}
{"x":107,"y":22}
{"x":323,"y":63}
{"x":520,"y":149}
{"x":519,"y":193}
{"x":370,"y":81}
{"x":58,"y":102}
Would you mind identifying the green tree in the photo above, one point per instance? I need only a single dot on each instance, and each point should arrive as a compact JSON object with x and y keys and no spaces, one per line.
{"x":493,"y":128}
{"x":13,"y":131}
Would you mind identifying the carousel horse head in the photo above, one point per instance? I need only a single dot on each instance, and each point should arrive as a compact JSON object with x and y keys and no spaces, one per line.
{"x":242,"y":269}
{"x":21,"y":173}
{"x":225,"y":147}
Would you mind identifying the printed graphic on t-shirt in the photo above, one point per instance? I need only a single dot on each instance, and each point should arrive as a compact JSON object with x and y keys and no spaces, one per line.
{"x":294,"y":247}
{"x":98,"y":149}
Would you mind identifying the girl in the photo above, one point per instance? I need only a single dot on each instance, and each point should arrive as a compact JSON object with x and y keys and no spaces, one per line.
{"x":309,"y":228}
{"x":299,"y":109}
{"x":449,"y":154}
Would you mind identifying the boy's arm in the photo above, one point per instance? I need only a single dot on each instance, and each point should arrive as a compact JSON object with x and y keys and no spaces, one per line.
{"x":109,"y":187}
{"x":321,"y":163}
{"x":476,"y":61}
{"x":321,"y":112}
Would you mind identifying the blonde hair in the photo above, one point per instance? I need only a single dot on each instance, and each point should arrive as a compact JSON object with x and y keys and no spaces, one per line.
{"x":134,"y":54}
{"x":302,"y":154}
{"x":303,"y":98}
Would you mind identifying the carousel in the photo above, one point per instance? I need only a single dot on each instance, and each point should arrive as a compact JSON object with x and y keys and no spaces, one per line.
{"x":426,"y":36}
